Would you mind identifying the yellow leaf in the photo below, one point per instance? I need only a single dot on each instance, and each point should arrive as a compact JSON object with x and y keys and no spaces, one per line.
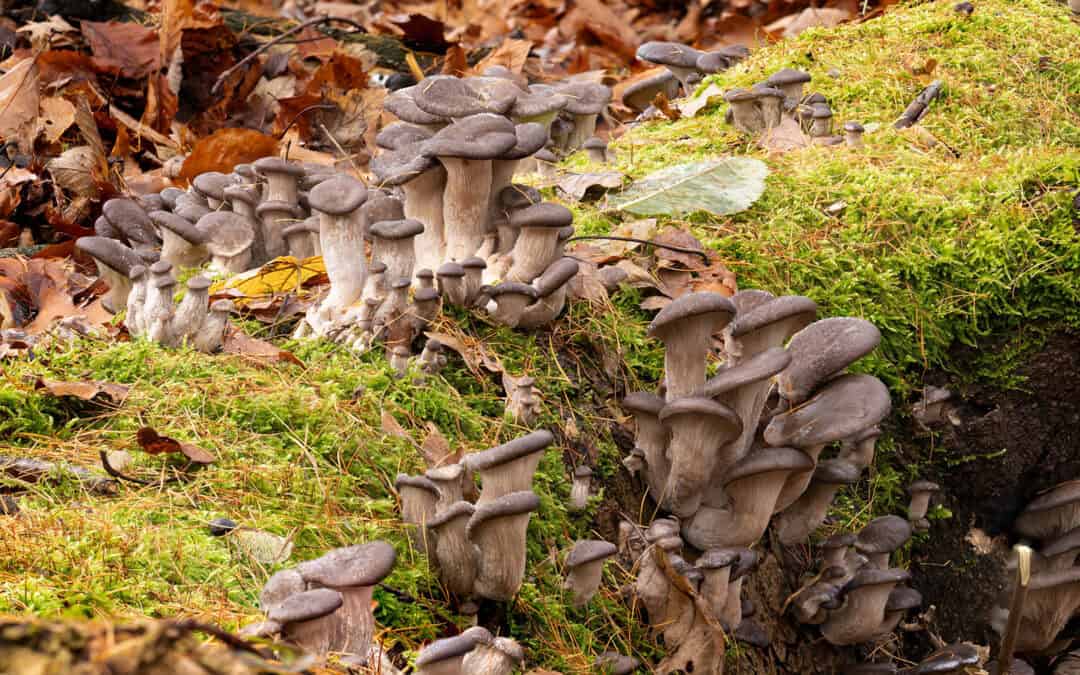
{"x":281,"y":275}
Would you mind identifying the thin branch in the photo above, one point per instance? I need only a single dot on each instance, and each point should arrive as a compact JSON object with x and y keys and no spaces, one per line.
{"x":278,"y":40}
{"x":190,"y":625}
{"x":317,"y":106}
{"x":647,"y":242}
{"x":115,"y":473}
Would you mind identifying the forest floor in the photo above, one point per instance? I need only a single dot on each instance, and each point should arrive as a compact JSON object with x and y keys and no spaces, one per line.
{"x":953,"y":236}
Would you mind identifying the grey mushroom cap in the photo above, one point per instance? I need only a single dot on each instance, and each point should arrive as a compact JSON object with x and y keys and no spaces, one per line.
{"x":307,"y":225}
{"x":268,"y":165}
{"x":713,"y":62}
{"x":756,"y":368}
{"x":418,"y":482}
{"x":669,"y":54}
{"x":474,"y":263}
{"x":151,"y":202}
{"x":517,"y":196}
{"x":182,"y":227}
{"x":871,"y":576}
{"x":836,"y":472}
{"x":583,"y":471}
{"x":265,"y":207}
{"x":198,"y":283}
{"x":400,"y":134}
{"x":765,"y":90}
{"x":379,"y":207}
{"x":245,"y":171}
{"x":883,"y":535}
{"x":787,"y":76}
{"x":948,"y":659}
{"x":613,"y":663}
{"x":338,"y":195}
{"x":698,"y":407}
{"x":691,"y":305}
{"x":212,"y":184}
{"x":840,"y":540}
{"x":903,"y":598}
{"x":843,"y":408}
{"x":130,"y":218}
{"x":164,"y":282}
{"x":394,"y":230}
{"x":519,"y":447}
{"x":160,"y":267}
{"x":248,"y":194}
{"x":739,"y":95}
{"x":400,"y":166}
{"x":223,"y":305}
{"x":765,"y":460}
{"x":479,"y":635}
{"x":360,"y":565}
{"x":137,"y":272}
{"x":109,"y":252}
{"x":510,"y":288}
{"x":481,"y":136}
{"x":450,"y":270}
{"x":512,"y":504}
{"x":645,"y":402}
{"x":541,"y":100}
{"x":103,"y":228}
{"x":1070,"y":541}
{"x":923,"y":486}
{"x":595,"y":143}
{"x":821,"y":111}
{"x":590,"y":550}
{"x":402,"y":104}
{"x":530,"y":138}
{"x":647,"y":89}
{"x":555,"y":276}
{"x":169,"y":195}
{"x":853,"y":127}
{"x":444,"y":649}
{"x":452,"y":97}
{"x":777,"y":309}
{"x":428,"y":295}
{"x":306,"y":606}
{"x":1059,"y":495}
{"x":455,"y":510}
{"x":716,"y":558}
{"x":229,"y":233}
{"x":585,"y":98}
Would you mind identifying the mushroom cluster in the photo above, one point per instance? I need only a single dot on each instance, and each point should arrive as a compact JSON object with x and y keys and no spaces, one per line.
{"x":324,"y":605}
{"x":727,"y":453}
{"x":763,"y":107}
{"x":474,"y":652}
{"x":685,"y":68}
{"x":1052,"y":520}
{"x":478,"y":548}
{"x":152,"y":312}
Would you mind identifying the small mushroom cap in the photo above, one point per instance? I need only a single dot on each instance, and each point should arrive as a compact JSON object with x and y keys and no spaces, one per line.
{"x":393,"y":230}
{"x":380,"y":207}
{"x":169,"y":195}
{"x":853,"y":127}
{"x":545,"y":155}
{"x":279,"y":206}
{"x":512,"y":504}
{"x":765,"y":460}
{"x":836,"y":472}
{"x":583,"y":472}
{"x":474,"y":263}
{"x":400,"y":166}
{"x":402,"y":104}
{"x":516,"y":196}
{"x":137,"y":272}
{"x":697,"y":408}
{"x":450,"y":513}
{"x":537,"y":441}
{"x":717,"y":558}
{"x":595,"y":143}
{"x":269,"y":165}
{"x":585,"y":98}
{"x":450,"y":270}
{"x":644,"y":402}
{"x":590,"y":550}
{"x":613,"y":663}
{"x":903,"y":598}
{"x":883,"y":535}
{"x":841,"y":409}
{"x":428,"y":295}
{"x":160,"y":268}
{"x":212,"y":184}
{"x":669,"y":54}
{"x":445,"y":649}
{"x":923,"y":486}
{"x":948,"y":659}
{"x":802,"y":311}
{"x":399,"y":134}
{"x":740,"y":95}
{"x":181,"y":227}
{"x":511,"y":288}
{"x":198,"y":283}
{"x":453,"y":97}
{"x":787,"y":76}
{"x":419,"y":482}
{"x":839,"y":540}
{"x":713,"y":62}
{"x":223,"y":306}
{"x":530,"y":138}
{"x":248,"y":194}
{"x":306,"y":606}
{"x":338,"y":196}
{"x":425,"y":274}
{"x":481,"y":136}
{"x":821,"y":111}
{"x":130,"y":218}
{"x":103,"y":228}
{"x":230,"y":233}
{"x":360,"y":565}
{"x":872,"y":576}
{"x":110,"y":253}
{"x":689,"y":306}
{"x":639,"y":94}
{"x":755,"y":369}
{"x":766,"y":91}
{"x":400,"y":283}
{"x":164,"y":282}
{"x":542,"y":99}
{"x":555,"y":276}
{"x":450,"y":472}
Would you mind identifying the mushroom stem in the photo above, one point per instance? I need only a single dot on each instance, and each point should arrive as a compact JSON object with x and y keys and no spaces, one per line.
{"x":584,"y":129}
{"x":424,"y":202}
{"x":1016,"y":610}
{"x":342,"y":241}
{"x":465,"y":205}
{"x":502,"y":176}
{"x":456,"y":556}
{"x":584,"y":580}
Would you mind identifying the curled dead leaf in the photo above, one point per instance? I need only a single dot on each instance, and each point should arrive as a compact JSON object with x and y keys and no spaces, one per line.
{"x":154,"y":443}
{"x":104,"y":392}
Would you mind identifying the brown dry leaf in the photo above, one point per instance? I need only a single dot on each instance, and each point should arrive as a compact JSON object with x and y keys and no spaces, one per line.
{"x":224,"y":149}
{"x":44,"y":34}
{"x":105,"y":392}
{"x":436,"y":448}
{"x":578,"y":186}
{"x":716,"y":278}
{"x":56,"y":116}
{"x":674,"y":236}
{"x":586,"y":284}
{"x":644,"y":228}
{"x":709,"y":96}
{"x":154,"y":443}
{"x":129,"y":49}
{"x":240,"y":343}
{"x":511,"y":54}
{"x":11,"y":189}
{"x":74,"y":171}
{"x":786,"y":137}
{"x":19,"y":104}
{"x":390,"y":426}
{"x":35,"y":288}
{"x":471,"y":350}
{"x":455,"y":62}
{"x":178,"y":16}
{"x":655,"y":303}
{"x":811,"y":17}
{"x":600,"y":21}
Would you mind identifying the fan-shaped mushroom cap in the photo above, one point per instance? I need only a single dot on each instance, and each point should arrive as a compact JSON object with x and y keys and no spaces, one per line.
{"x":845,"y":406}
{"x":740,"y":96}
{"x":590,"y":550}
{"x":400,"y":134}
{"x":530,"y":138}
{"x":451,"y":97}
{"x":360,"y":565}
{"x":537,"y":441}
{"x":669,"y":54}
{"x":394,"y":230}
{"x":823,"y":349}
{"x":182,"y":227}
{"x":903,"y":598}
{"x":755,"y":369}
{"x":445,"y":649}
{"x":881,"y":537}
{"x":130,"y":218}
{"x":229,"y":233}
{"x":338,"y":196}
{"x":788,"y":76}
{"x":796,"y":309}
{"x":1051,"y":514}
{"x":456,"y":510}
{"x":269,"y":165}
{"x":692,"y":305}
{"x":613,"y":663}
{"x":247,"y":194}
{"x":402,"y":104}
{"x":212,"y":184}
{"x":481,"y":136}
{"x":418,"y":482}
{"x":280,"y":586}
{"x":450,"y":270}
{"x":109,"y":252}
{"x":585,"y":98}
{"x":768,"y":460}
{"x":700,"y":429}
{"x":639,"y":95}
{"x":540,"y":100}
{"x":512,"y":288}
{"x":512,"y":504}
{"x":306,"y":606}
{"x":544,"y":214}
{"x":714,"y":62}
{"x":400,"y":166}
{"x":555,"y":276}
{"x":169,"y":195}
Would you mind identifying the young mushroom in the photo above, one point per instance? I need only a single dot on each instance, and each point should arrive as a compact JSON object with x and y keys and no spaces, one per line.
{"x":651,"y":437}
{"x":183,"y":244}
{"x":422,"y":181}
{"x":193,"y":309}
{"x":863,"y":611}
{"x":452,"y":284}
{"x":551,"y":289}
{"x":497,"y":530}
{"x":680,"y":59}
{"x":596,"y":148}
{"x":584,"y":103}
{"x":538,"y":234}
{"x":114,"y":263}
{"x":445,"y":656}
{"x":341,"y":233}
{"x":492,"y":655}
{"x":306,"y":619}
{"x":640,"y":95}
{"x":700,"y":429}
{"x":211,"y":336}
{"x":798,"y":521}
{"x":230,"y":239}
{"x":920,"y":491}
{"x":789,"y":81}
{"x":686,"y":327}
{"x":881,"y":537}
{"x":584,"y":568}
{"x":853,"y":134}
{"x":579,"y":488}
{"x":510,"y":299}
{"x":418,"y":498}
{"x":392,"y":245}
{"x":453,"y":551}
{"x":133,"y":318}
{"x":127,"y":216}
{"x":508,"y":468}
{"x":1052,"y":513}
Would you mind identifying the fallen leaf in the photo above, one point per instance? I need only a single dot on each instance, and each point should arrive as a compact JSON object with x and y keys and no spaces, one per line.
{"x":586,"y":284}
{"x":276,"y":278}
{"x":75,"y":171}
{"x":706,"y":98}
{"x":604,"y":24}
{"x":674,"y":236}
{"x":154,"y":443}
{"x":655,"y":303}
{"x":129,"y":49}
{"x":511,"y":54}
{"x":578,"y":186}
{"x":224,"y":149}
{"x":471,"y":350}
{"x":105,"y":392}
{"x":263,"y":547}
{"x":436,"y":448}
{"x":42,"y":34}
{"x":721,"y":186}
{"x":56,"y":116}
{"x":786,"y":137}
{"x":392,"y":427}
{"x":19,"y":103}
{"x":811,"y":17}
{"x":240,"y":343}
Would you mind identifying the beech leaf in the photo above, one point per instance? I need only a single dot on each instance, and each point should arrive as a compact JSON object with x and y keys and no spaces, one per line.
{"x":721,"y":186}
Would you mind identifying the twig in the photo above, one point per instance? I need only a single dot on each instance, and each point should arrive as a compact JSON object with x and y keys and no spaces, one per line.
{"x":647,"y":242}
{"x":317,"y":106}
{"x":1016,"y":610}
{"x":918,"y":108}
{"x":278,"y":40}
{"x":190,"y":625}
{"x":115,"y":473}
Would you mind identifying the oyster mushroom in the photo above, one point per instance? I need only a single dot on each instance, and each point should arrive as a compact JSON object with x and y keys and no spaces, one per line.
{"x":423,"y":181}
{"x":1051,"y":514}
{"x":797,"y":522}
{"x":863,"y":610}
{"x":452,"y":283}
{"x":114,"y":263}
{"x":453,"y":551}
{"x":921,"y":491}
{"x":230,"y":239}
{"x":584,"y":568}
{"x":537,"y":240}
{"x":449,"y":480}
{"x":445,"y":656}
{"x":393,"y":245}
{"x":418,"y":498}
{"x":211,"y":336}
{"x":474,"y":274}
{"x":307,"y":619}
{"x":211,"y":185}
{"x":651,"y":438}
{"x":550,"y":293}
{"x":341,"y":233}
{"x":193,"y":309}
{"x":596,"y":148}
{"x":133,"y":318}
{"x":508,"y":468}
{"x":640,"y":95}
{"x":835,"y":548}
{"x":901,"y":600}
{"x":280,"y":205}
{"x":680,"y":59}
{"x":131,"y":220}
{"x":510,"y":301}
{"x":716,"y":565}
{"x":822,"y":350}
{"x":789,"y":81}
{"x":745,"y":113}
{"x":700,"y":429}
{"x":584,"y":103}
{"x":686,"y":327}
{"x":579,"y":488}
{"x":853,"y":134}
{"x":492,"y":655}
{"x":530,"y":139}
{"x":770,"y":101}
{"x":881,"y":537}
{"x":497,"y":530}
{"x":183,"y":244}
